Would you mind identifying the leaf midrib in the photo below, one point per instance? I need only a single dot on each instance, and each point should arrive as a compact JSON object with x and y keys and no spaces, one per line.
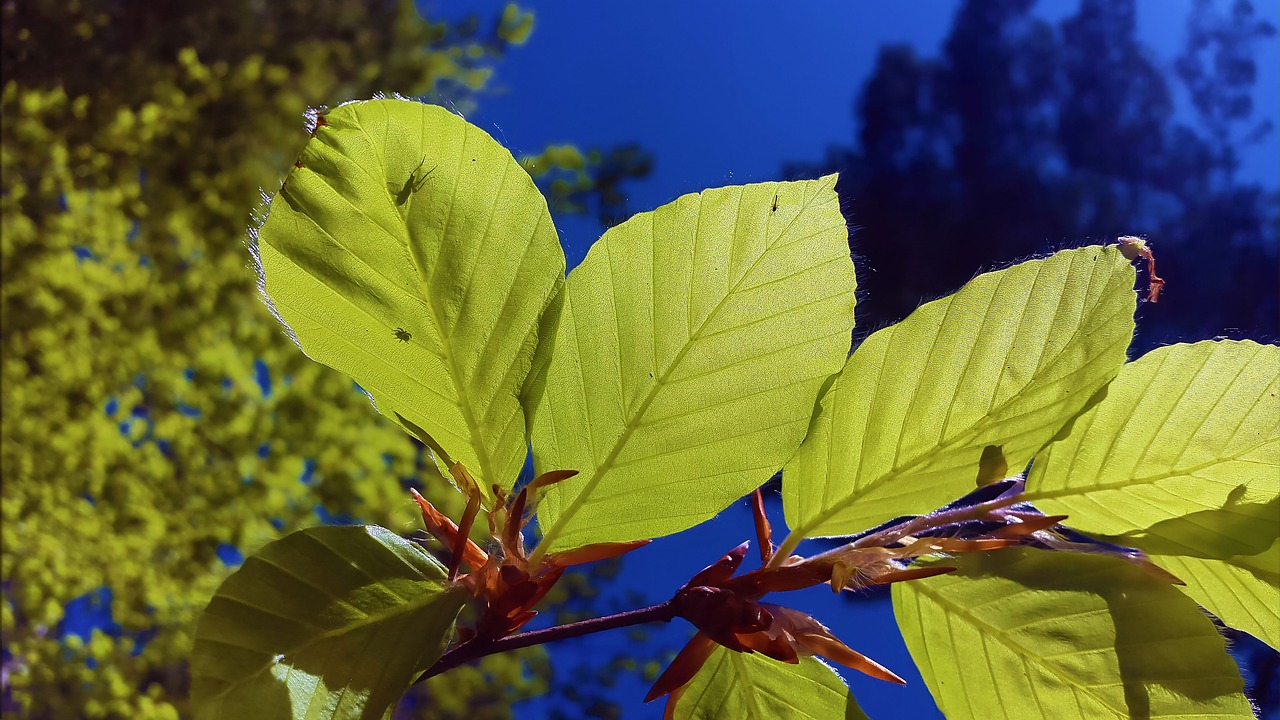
{"x":554,"y":532}
{"x":403,"y":233}
{"x":974,"y":430}
{"x":488,"y":473}
{"x":1007,"y":641}
{"x":804,"y":529}
{"x":750,"y":701}
{"x":412,"y":605}
{"x":1146,"y":480}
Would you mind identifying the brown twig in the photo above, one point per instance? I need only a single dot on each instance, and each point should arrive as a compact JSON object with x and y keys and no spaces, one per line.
{"x":477,"y":648}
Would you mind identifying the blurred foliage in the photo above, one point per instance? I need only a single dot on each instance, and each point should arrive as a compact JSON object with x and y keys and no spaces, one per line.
{"x":574,"y":183}
{"x":158,"y":424}
{"x":588,"y":688}
{"x":1026,"y":135}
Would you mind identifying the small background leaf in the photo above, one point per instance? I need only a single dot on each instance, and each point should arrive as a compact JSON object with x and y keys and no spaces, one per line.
{"x":1026,"y":634}
{"x":741,"y":686}
{"x":329,"y":622}
{"x":1006,"y":361}
{"x":403,"y":216}
{"x":693,"y":343}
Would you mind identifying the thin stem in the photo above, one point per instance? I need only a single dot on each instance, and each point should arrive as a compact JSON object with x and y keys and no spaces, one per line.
{"x":934,"y":520}
{"x":786,"y":549}
{"x":475,"y":649}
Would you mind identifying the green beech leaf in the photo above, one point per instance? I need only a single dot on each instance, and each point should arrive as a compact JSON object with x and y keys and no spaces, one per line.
{"x":1030,"y":634}
{"x":741,"y":686}
{"x":982,"y":378}
{"x":1185,"y":428}
{"x":329,"y":622}
{"x":1182,"y":457}
{"x":693,"y":342}
{"x":410,"y":251}
{"x":1244,"y":591}
{"x":1229,"y":559}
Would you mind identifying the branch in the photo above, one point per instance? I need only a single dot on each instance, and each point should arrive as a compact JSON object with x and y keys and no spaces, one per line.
{"x":475,"y":649}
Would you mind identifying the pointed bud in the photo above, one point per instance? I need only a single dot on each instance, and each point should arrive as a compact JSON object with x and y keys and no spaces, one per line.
{"x":719,"y":572}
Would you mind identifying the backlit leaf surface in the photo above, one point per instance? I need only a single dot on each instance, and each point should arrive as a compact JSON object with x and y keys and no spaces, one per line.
{"x":1003,"y":363}
{"x":1244,"y":591}
{"x":1026,"y":634}
{"x":1229,"y":559}
{"x":693,"y":342}
{"x":1184,"y":429}
{"x":324,"y":623}
{"x":410,"y":251}
{"x":1182,"y":460}
{"x":741,"y":686}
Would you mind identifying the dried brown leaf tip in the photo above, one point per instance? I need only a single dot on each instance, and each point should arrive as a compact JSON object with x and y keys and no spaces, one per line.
{"x":504,"y":579}
{"x":1135,"y":247}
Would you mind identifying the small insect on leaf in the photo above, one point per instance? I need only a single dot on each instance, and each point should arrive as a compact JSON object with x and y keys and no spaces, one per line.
{"x":775,"y":203}
{"x":403,"y":335}
{"x":412,"y":185}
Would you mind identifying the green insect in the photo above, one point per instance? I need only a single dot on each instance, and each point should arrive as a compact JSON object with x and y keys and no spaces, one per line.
{"x":403,"y":335}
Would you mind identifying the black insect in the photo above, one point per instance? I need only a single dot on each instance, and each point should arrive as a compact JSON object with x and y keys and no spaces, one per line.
{"x":412,"y":185}
{"x":775,"y":203}
{"x":403,"y":335}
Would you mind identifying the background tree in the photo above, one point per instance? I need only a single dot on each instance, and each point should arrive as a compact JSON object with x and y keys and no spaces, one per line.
{"x":158,"y":425}
{"x":1026,"y":135}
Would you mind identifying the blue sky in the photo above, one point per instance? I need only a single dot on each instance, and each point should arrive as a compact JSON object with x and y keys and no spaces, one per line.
{"x":725,"y":93}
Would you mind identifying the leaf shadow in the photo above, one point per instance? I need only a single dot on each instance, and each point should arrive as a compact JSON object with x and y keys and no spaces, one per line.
{"x":1147,"y":614}
{"x":1234,"y":530}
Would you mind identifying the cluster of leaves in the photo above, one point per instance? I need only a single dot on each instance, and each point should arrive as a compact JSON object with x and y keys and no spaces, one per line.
{"x":156,"y":424}
{"x":697,"y":350}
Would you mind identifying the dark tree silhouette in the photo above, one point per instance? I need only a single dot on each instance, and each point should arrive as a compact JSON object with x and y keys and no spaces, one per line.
{"x":1024,"y":136}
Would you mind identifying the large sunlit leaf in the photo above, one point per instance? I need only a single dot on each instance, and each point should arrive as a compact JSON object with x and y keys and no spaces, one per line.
{"x":410,"y":251}
{"x":693,"y":342}
{"x":741,"y":686}
{"x":996,"y":369}
{"x":1184,"y":429}
{"x":1030,"y":634}
{"x":1183,"y":458}
{"x":325,"y":623}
